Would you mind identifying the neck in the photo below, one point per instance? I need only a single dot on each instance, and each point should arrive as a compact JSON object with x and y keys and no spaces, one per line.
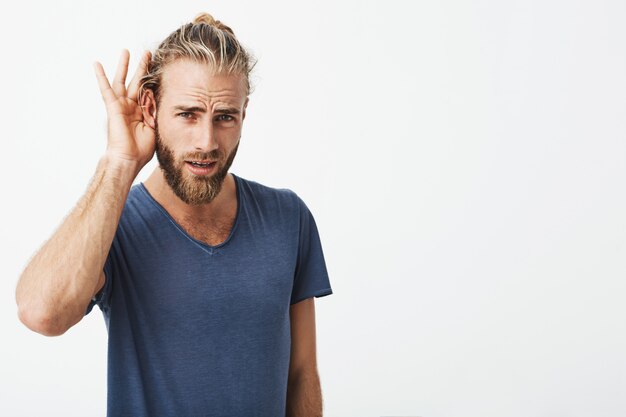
{"x":221,"y":206}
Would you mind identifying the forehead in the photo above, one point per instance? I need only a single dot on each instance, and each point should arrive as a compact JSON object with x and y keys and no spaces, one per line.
{"x":189,"y":81}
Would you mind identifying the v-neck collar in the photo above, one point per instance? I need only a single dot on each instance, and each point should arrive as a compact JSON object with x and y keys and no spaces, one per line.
{"x":208,"y":248}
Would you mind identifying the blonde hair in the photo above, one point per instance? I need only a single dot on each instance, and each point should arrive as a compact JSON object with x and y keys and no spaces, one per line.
{"x":204,"y":40}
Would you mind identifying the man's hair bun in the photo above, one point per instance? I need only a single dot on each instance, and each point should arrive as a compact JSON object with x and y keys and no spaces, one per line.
{"x":205,"y":18}
{"x":210,"y":20}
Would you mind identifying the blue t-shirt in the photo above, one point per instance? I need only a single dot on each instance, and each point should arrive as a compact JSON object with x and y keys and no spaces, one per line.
{"x":199,"y":330}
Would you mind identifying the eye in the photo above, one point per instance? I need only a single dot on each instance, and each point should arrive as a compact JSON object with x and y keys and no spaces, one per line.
{"x":229,"y":118}
{"x":185,"y":115}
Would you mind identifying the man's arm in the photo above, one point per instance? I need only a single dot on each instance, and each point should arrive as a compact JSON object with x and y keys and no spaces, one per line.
{"x":55,"y":288}
{"x":304,"y":394}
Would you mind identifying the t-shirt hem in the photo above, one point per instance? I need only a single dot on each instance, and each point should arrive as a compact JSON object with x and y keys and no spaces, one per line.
{"x":318,"y":294}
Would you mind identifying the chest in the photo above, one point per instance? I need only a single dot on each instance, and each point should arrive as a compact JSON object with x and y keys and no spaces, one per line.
{"x":212,"y":232}
{"x":243,"y":283}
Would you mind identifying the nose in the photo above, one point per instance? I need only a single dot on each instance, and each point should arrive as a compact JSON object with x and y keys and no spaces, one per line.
{"x":206,"y":140}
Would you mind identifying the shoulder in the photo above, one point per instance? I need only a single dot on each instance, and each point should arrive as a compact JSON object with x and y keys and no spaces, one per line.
{"x":271,"y":197}
{"x":137,"y":193}
{"x":139,"y":207}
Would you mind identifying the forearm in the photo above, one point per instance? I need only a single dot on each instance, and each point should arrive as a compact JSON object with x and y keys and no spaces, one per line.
{"x":304,"y":395}
{"x":55,"y":287}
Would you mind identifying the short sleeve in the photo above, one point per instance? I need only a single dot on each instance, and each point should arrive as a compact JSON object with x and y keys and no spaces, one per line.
{"x":103,"y":297}
{"x":311,"y":276}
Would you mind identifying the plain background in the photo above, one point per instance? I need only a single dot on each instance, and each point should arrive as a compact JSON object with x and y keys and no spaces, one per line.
{"x":464,"y":161}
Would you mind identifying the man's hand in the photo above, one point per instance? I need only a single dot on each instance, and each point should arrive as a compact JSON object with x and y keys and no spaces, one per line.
{"x":130,"y":139}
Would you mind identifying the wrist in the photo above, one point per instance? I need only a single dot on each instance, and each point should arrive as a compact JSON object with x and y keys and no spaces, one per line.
{"x":121,"y":168}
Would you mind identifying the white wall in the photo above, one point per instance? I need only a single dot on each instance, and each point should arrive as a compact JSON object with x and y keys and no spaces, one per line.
{"x":464,"y":160}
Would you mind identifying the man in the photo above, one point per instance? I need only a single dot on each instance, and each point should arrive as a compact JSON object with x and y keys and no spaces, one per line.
{"x":206,"y":280}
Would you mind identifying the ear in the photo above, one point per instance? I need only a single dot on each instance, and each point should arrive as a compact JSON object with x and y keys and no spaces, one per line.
{"x":244,"y":108}
{"x":149,"y":108}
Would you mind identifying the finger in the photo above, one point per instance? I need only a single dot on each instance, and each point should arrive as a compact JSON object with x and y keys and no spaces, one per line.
{"x":108,"y":95}
{"x":119,"y":83}
{"x":142,"y":67}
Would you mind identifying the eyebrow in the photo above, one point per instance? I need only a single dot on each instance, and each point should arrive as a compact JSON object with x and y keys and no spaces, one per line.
{"x":197,"y":109}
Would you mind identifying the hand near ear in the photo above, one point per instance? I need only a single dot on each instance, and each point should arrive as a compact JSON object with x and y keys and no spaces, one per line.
{"x":130,"y":137}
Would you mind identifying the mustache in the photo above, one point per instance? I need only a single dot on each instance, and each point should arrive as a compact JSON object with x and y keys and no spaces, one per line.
{"x":213,"y":155}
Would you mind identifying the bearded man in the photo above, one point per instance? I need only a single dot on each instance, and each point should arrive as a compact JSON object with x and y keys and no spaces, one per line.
{"x":206,"y":280}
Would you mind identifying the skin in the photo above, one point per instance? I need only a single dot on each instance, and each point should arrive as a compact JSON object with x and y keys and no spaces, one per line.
{"x":58,"y":283}
{"x":304,"y":392}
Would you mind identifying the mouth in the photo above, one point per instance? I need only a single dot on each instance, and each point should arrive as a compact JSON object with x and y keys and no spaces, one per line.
{"x":201,"y":167}
{"x":205,"y":163}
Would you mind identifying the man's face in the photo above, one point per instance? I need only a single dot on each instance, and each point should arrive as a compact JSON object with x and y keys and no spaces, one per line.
{"x":198,"y":127}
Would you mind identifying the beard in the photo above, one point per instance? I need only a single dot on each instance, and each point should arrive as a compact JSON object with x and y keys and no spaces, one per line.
{"x":192,"y":189}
